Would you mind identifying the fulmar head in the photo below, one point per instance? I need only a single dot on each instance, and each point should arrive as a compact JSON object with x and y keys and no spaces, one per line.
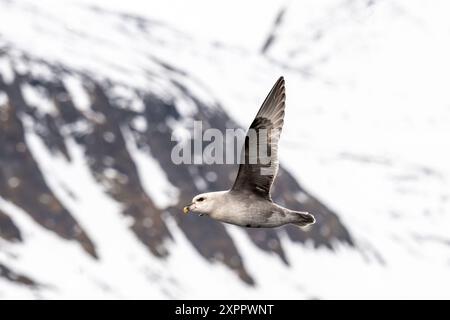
{"x":204,"y":203}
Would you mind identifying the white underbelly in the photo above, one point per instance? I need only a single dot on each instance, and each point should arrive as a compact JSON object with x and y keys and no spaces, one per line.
{"x":251,"y":218}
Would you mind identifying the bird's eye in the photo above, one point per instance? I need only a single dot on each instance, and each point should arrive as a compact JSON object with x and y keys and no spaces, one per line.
{"x":200,"y":199}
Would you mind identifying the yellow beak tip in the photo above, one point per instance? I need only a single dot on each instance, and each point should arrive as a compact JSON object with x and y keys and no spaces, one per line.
{"x":185,"y":210}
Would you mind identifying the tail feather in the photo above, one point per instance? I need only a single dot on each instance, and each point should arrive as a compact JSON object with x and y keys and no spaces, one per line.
{"x":303,"y":219}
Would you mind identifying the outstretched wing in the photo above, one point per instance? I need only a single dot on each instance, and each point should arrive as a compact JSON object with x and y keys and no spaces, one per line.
{"x":259,"y":166}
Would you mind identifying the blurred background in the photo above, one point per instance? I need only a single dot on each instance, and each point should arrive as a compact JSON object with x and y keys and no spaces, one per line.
{"x":91,"y":92}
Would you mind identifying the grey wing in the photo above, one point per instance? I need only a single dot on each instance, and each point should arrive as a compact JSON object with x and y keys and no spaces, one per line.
{"x":259,"y":165}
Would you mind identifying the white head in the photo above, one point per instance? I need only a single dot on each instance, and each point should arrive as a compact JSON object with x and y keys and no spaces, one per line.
{"x":204,"y":203}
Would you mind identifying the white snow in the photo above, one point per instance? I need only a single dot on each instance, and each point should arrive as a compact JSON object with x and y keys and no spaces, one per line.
{"x":139,"y":123}
{"x":3,"y":99}
{"x":127,"y":98}
{"x":34,"y":97}
{"x":6,"y":70}
{"x":152,"y":176}
{"x":40,"y":70}
{"x":80,"y":97}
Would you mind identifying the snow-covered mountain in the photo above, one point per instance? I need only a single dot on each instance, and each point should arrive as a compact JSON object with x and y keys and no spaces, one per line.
{"x":91,"y":93}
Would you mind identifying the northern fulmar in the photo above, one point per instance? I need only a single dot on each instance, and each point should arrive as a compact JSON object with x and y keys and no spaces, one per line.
{"x":248,"y":203}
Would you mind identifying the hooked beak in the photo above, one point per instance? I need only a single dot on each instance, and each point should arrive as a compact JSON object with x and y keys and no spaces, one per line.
{"x":187,"y":209}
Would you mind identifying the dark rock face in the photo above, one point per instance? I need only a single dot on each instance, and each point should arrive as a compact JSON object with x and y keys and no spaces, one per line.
{"x":105,"y":148}
{"x":8,"y":230}
{"x":23,"y":183}
{"x":10,"y":275}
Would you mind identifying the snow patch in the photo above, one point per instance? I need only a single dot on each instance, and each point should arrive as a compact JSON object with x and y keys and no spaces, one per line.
{"x":152,"y":176}
{"x":3,"y":99}
{"x":78,"y":93}
{"x":36,"y":98}
{"x":41,"y":71}
{"x":6,"y":70}
{"x":139,"y":123}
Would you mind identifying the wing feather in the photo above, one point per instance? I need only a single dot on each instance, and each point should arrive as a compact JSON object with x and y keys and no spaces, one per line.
{"x":257,"y":171}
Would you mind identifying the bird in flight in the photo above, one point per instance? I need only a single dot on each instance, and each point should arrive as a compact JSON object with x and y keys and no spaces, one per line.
{"x":248,"y":203}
